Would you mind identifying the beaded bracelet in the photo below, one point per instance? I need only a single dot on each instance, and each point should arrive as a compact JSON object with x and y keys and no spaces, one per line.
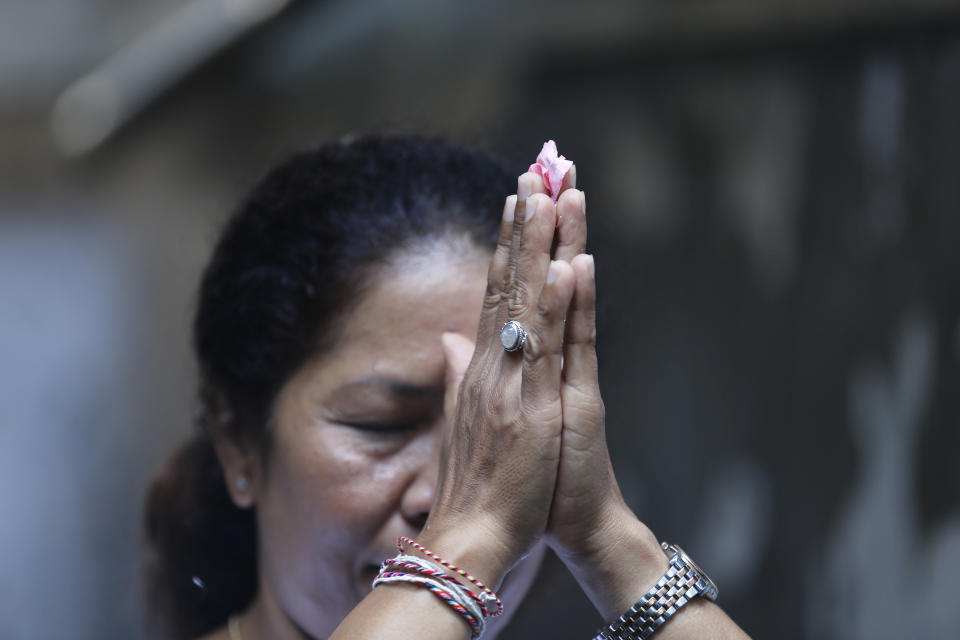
{"x":492,"y":605}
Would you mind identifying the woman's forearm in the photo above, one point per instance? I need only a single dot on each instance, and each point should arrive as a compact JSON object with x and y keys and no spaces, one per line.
{"x":622,"y":562}
{"x":401,"y":611}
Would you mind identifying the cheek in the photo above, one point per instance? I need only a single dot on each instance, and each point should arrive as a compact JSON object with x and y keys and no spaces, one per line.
{"x":332,"y":485}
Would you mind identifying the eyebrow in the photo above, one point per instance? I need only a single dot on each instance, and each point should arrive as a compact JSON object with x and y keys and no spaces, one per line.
{"x":397,"y":387}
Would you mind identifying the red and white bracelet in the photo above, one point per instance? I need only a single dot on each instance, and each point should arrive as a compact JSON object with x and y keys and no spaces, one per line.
{"x":474,"y":608}
{"x":492,"y":605}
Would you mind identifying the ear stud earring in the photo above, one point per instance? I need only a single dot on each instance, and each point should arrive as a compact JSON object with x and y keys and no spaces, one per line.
{"x":241,"y":483}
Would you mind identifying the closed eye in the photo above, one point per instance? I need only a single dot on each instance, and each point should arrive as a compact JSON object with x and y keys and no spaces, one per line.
{"x":383,"y":427}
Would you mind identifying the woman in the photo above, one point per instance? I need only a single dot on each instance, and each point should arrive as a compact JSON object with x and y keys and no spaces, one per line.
{"x":345,"y":405}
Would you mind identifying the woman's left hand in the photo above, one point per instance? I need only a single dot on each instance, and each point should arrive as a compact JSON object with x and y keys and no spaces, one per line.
{"x":613,"y":555}
{"x":586,"y":499}
{"x":610,"y":552}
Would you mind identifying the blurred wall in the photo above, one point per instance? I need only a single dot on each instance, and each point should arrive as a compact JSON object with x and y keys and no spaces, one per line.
{"x":774,"y":210}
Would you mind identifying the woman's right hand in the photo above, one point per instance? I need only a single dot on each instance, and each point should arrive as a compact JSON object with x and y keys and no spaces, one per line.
{"x":501,"y":450}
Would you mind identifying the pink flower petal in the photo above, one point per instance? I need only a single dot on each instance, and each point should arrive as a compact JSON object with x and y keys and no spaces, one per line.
{"x":552,"y":168}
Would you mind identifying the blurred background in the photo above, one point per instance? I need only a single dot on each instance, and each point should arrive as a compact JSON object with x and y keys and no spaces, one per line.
{"x":774,"y":208}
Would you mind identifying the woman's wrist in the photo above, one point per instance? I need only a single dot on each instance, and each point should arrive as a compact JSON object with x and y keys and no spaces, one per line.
{"x":474,"y":548}
{"x":618,"y":563}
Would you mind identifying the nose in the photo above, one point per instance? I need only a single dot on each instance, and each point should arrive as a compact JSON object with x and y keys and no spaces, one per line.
{"x":418,"y":497}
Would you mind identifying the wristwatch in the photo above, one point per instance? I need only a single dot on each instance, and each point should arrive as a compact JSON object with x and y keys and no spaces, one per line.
{"x":682,"y":582}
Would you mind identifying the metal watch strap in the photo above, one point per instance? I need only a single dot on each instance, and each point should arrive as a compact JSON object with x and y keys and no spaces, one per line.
{"x":682,"y":582}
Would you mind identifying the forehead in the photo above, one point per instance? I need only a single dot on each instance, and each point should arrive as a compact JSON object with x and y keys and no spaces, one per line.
{"x":394,"y":330}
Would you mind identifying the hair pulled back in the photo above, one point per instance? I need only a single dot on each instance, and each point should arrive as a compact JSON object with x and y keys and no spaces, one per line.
{"x":289,"y":264}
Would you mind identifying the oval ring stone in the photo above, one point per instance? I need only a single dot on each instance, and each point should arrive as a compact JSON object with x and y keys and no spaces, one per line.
{"x":511,"y":336}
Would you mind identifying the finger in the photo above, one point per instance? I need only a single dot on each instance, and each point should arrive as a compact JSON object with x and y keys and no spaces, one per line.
{"x":580,"y":337}
{"x":543,"y":350}
{"x":571,"y":225}
{"x":497,"y":275}
{"x":527,"y":184}
{"x":457,"y":351}
{"x":529,"y":257}
{"x":569,"y":180}
{"x":532,"y":181}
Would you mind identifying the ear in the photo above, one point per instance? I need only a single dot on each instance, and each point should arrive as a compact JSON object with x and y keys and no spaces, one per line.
{"x":241,"y":469}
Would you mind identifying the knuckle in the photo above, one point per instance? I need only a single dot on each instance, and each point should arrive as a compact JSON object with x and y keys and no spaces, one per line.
{"x":541,"y":413}
{"x":498,"y":265}
{"x":519,"y":299}
{"x":497,"y":418}
{"x":549,"y":309}
{"x":584,"y":395}
{"x":472,"y":390}
{"x":509,"y":273}
{"x":539,"y":344}
{"x":586,"y":337}
{"x":519,"y":217}
{"x":492,"y":298}
{"x":498,"y":407}
{"x":584,"y":401}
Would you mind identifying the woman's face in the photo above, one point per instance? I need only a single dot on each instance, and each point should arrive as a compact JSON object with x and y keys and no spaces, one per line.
{"x":355,"y":441}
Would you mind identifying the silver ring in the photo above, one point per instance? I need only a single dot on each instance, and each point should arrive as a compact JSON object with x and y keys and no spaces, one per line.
{"x":512,"y":336}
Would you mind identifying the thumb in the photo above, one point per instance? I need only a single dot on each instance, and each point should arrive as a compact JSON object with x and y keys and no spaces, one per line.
{"x":457,"y":350}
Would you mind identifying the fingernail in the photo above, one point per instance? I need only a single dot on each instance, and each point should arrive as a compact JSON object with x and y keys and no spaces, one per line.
{"x":583,"y":203}
{"x":524,"y":190}
{"x":530,"y":208}
{"x":591,"y":267}
{"x":509,"y":208}
{"x":552,"y":272}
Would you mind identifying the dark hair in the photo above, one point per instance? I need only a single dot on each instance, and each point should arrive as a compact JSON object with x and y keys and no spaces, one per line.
{"x":288,"y":264}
